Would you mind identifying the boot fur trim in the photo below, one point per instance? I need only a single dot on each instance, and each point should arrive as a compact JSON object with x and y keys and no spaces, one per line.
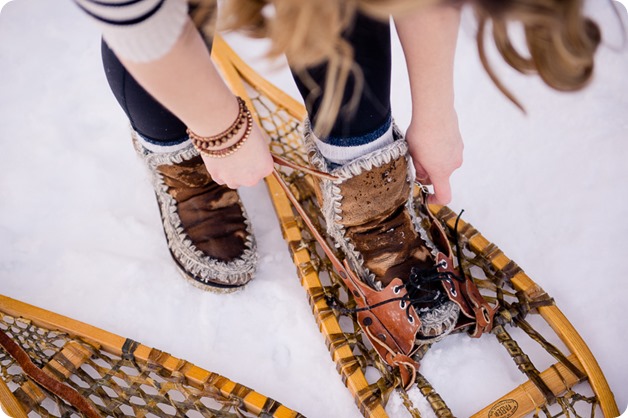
{"x":204,"y":271}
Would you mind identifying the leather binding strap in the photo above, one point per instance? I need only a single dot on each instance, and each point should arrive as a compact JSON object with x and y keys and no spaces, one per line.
{"x":392,"y":327}
{"x":387,"y":327}
{"x":43,"y":379}
{"x":477,"y":314}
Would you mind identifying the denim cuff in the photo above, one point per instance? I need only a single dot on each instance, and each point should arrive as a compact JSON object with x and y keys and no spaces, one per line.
{"x":162,"y":146}
{"x":352,"y":141}
{"x":161,"y":143}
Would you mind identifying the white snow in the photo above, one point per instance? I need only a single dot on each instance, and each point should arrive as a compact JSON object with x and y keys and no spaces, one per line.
{"x":80,"y":232}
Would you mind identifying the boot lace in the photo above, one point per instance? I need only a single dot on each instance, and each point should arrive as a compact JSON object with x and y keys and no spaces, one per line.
{"x":415,"y":296}
{"x":416,"y":293}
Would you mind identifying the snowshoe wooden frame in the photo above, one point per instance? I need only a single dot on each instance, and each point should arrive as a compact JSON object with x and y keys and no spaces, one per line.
{"x":148,"y":374}
{"x":281,"y":116}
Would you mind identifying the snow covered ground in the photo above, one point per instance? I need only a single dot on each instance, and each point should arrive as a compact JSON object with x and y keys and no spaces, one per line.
{"x":80,"y":232}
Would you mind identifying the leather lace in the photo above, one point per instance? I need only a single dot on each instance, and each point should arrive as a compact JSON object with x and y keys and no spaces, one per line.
{"x":418,"y":277}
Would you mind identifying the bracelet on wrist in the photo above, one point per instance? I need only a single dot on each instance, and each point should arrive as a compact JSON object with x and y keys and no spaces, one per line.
{"x":205,"y":144}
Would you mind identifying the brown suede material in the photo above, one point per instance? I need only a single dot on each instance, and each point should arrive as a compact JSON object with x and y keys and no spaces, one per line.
{"x":390,"y":246}
{"x":378,"y":224}
{"x":210,"y":213}
{"x":375,"y":193}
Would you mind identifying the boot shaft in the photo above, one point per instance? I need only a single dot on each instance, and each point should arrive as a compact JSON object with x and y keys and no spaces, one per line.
{"x":369,"y":212}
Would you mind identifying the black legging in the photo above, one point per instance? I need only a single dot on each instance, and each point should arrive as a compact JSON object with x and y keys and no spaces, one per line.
{"x":371,"y":42}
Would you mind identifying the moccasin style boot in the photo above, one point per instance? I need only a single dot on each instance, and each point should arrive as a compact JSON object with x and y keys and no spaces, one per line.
{"x":369,"y":213}
{"x":208,"y":232}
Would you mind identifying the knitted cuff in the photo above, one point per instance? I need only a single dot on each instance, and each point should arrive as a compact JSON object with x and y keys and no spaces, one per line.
{"x":140,"y":31}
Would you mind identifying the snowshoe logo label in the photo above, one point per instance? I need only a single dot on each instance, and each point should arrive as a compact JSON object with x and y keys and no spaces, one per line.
{"x":503,"y":409}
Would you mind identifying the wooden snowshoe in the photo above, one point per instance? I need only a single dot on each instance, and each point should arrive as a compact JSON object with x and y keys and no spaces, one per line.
{"x":67,"y":367}
{"x":499,"y":279}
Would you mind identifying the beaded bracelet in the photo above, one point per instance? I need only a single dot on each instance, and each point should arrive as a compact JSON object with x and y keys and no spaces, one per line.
{"x":206,"y":142}
{"x":222,"y":153}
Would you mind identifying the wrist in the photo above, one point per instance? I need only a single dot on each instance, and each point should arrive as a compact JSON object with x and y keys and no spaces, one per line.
{"x":230,"y":140}
{"x":212,"y":117}
{"x":434,"y":114}
{"x":432,"y":97}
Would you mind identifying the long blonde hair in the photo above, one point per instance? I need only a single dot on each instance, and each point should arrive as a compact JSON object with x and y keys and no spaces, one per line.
{"x":560,"y":40}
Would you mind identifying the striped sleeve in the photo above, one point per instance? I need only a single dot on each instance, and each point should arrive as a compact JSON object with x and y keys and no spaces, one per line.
{"x":138,"y":30}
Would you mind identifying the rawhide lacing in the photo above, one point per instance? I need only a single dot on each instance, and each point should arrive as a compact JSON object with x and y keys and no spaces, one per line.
{"x":392,"y":327}
{"x":477,"y":314}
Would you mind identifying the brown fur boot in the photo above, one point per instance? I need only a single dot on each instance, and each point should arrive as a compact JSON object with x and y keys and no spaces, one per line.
{"x":208,"y":233}
{"x":369,"y":213}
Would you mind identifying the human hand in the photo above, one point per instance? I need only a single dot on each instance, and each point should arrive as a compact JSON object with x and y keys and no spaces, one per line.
{"x":247,"y":166}
{"x":436,"y":146}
